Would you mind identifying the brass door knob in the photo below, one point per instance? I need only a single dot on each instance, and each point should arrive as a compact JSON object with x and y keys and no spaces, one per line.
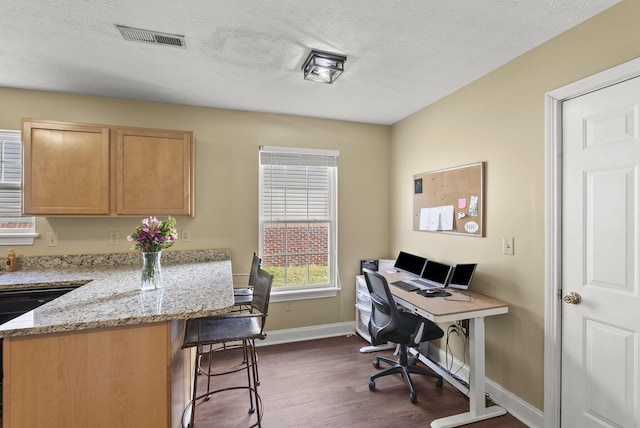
{"x":573,"y":298}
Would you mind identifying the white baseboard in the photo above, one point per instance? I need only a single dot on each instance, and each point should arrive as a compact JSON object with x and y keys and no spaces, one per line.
{"x":308,"y":333}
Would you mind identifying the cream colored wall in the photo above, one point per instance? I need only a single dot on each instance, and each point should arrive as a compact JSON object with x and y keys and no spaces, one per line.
{"x":227,"y":184}
{"x":499,"y":119}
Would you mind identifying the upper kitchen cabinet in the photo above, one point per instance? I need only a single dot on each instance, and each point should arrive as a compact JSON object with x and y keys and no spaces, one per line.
{"x":93,"y":170}
{"x":66,"y":168}
{"x":153,"y":172}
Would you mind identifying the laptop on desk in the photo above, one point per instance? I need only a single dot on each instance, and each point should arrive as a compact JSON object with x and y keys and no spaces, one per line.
{"x":462,"y":274}
{"x":434,"y":276}
{"x":459,"y":280}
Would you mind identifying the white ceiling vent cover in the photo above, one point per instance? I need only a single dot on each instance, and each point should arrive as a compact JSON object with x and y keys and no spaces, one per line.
{"x":153,"y":37}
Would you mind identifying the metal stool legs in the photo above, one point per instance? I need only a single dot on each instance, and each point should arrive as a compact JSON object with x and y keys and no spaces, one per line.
{"x":249,"y":364}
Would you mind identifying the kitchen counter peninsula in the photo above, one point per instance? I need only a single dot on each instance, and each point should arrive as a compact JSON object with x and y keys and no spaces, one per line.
{"x":108,"y":354}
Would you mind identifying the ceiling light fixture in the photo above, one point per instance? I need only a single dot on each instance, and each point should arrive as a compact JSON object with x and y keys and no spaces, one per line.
{"x":323,"y":67}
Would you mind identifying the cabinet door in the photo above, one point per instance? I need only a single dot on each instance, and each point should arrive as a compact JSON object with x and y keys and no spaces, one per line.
{"x":106,"y":377}
{"x":154,"y":172}
{"x":66,"y":168}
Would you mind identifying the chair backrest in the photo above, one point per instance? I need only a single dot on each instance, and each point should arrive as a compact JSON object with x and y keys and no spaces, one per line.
{"x":384,"y":312}
{"x":255,"y":265}
{"x":262,"y":293}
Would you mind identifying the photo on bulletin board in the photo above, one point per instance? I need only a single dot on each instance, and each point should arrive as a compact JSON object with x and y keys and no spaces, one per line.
{"x":450,"y":200}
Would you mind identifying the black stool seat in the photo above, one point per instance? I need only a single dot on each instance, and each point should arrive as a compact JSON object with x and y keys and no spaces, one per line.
{"x":228,"y":328}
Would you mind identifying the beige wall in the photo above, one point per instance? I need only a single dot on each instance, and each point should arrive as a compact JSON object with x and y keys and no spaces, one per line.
{"x":499,"y":119}
{"x":227,"y":184}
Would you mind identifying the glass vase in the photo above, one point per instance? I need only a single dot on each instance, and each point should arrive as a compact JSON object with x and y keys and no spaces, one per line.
{"x":151,"y":271}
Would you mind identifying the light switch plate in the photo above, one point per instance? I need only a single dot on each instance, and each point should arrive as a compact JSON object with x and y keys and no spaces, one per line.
{"x":507,"y":246}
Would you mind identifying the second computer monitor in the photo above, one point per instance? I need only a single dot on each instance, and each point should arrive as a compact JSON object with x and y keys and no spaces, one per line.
{"x":409,"y":263}
{"x":436,"y":274}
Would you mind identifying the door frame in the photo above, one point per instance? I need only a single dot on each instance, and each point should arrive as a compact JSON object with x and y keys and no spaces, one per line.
{"x":553,"y":226}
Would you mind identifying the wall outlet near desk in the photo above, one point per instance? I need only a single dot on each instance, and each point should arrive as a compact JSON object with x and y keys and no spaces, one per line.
{"x":507,"y":246}
{"x":288,"y":306}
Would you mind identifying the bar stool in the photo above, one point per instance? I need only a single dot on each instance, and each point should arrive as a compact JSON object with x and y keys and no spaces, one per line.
{"x":242,"y":295}
{"x":242,"y":327}
{"x":242,"y":298}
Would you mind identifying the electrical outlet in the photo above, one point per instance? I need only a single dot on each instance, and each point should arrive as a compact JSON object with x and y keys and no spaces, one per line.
{"x":507,"y":246}
{"x":288,"y":306}
{"x":464,"y":326}
{"x":185,"y":235}
{"x":52,"y":239}
{"x":114,"y":238}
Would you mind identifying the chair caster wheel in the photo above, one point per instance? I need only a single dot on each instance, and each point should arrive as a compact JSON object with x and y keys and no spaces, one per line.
{"x":372,"y":385}
{"x":413,"y":398}
{"x":439,"y":382}
{"x":376,"y":363}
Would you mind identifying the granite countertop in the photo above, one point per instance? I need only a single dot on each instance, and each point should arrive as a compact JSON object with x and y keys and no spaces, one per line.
{"x":193,"y":287}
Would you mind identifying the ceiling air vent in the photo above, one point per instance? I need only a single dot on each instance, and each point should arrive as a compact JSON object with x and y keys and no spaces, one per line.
{"x":153,"y":37}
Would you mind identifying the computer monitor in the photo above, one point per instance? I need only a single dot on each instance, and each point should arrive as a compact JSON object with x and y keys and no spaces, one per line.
{"x":462,"y":274}
{"x":436,"y":274}
{"x":409,"y":263}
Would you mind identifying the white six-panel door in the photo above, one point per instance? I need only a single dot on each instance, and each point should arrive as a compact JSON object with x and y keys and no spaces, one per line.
{"x":601,"y":255}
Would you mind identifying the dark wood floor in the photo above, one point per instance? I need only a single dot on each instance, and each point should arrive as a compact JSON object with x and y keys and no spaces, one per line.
{"x":325,"y":383}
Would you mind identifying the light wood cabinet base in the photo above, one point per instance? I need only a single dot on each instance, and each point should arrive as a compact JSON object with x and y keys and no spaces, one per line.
{"x":114,"y":377}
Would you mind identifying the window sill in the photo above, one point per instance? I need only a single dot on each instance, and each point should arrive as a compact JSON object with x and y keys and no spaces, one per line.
{"x":18,"y":238}
{"x":314,"y":293}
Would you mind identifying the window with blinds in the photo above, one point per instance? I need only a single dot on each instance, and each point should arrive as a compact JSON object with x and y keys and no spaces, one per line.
{"x":11,"y":219}
{"x":298,"y":221}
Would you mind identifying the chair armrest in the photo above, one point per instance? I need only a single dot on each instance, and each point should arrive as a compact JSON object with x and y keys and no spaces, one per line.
{"x":417,"y":334}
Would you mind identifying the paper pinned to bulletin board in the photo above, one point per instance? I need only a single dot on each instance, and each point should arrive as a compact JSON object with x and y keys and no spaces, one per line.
{"x":450,"y":200}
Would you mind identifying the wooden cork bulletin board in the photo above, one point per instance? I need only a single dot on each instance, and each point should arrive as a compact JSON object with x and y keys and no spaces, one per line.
{"x":450,"y":200}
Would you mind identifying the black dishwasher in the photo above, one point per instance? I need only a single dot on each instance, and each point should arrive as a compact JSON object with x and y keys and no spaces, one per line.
{"x":17,"y":301}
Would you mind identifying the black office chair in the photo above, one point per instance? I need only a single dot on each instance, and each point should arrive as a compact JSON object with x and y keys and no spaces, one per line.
{"x":388,"y":324}
{"x":243,"y":327}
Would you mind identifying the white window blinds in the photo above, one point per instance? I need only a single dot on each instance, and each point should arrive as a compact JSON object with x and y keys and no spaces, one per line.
{"x":297,"y":185}
{"x":10,"y":178}
{"x":298,"y":219}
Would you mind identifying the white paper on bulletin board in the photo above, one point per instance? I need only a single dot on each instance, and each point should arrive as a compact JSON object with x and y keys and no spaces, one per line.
{"x":437,"y":218}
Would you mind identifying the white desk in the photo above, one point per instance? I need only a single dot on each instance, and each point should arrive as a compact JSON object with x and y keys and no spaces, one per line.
{"x":437,"y":309}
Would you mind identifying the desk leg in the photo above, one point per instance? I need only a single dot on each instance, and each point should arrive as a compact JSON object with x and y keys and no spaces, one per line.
{"x":477,"y":409}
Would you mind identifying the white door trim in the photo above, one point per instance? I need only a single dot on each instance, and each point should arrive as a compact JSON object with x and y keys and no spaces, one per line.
{"x":553,"y":223}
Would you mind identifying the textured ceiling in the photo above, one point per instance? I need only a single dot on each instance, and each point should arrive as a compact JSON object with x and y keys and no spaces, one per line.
{"x":247,"y":54}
